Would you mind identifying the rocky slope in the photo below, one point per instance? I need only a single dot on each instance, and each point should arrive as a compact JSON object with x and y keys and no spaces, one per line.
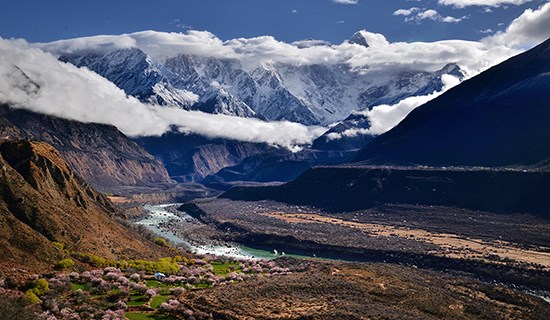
{"x":99,"y":153}
{"x":274,"y":166}
{"x":42,"y":200}
{"x":498,"y":118}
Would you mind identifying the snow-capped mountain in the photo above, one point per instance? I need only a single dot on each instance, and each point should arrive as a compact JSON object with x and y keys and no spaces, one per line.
{"x":352,"y":132}
{"x":312,"y":94}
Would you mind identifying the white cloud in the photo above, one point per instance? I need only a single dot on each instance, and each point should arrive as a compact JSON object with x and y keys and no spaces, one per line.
{"x":79,"y":94}
{"x":449,"y":19}
{"x":428,"y":14}
{"x":346,"y":1}
{"x":489,"y":3}
{"x":252,"y":52}
{"x":487,"y":31}
{"x":529,"y":29}
{"x":417,"y":15}
{"x":406,"y":12}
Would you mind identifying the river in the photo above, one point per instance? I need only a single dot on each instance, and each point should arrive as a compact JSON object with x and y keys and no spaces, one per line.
{"x":159,"y":214}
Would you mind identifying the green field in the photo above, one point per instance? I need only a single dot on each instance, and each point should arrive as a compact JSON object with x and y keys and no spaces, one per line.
{"x":157,"y":300}
{"x":222,"y":269}
{"x":155,"y":284}
{"x":137,"y":300}
{"x":76,"y":286}
{"x":146,"y":316}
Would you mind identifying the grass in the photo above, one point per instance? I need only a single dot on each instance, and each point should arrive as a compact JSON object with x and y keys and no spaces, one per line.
{"x":137,"y":300}
{"x":158,"y":300}
{"x":76,"y":286}
{"x":156,"y":284}
{"x":146,"y":316}
{"x":222,"y":269}
{"x":201,"y":286}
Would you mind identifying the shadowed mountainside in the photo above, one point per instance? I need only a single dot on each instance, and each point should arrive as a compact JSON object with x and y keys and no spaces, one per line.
{"x":355,"y":188}
{"x":498,"y":118}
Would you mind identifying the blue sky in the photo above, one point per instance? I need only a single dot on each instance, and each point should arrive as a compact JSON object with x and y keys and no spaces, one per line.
{"x":286,"y":20}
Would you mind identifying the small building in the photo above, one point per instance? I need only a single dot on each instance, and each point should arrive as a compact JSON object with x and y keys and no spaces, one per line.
{"x":159,"y":275}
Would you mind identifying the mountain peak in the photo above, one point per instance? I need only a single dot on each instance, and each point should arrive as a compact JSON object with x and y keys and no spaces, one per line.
{"x":368,"y":39}
{"x":359,"y":38}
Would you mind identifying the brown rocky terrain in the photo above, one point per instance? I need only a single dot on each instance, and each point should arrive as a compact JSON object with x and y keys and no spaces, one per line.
{"x":42,"y":200}
{"x":100,"y":154}
{"x":334,"y":290}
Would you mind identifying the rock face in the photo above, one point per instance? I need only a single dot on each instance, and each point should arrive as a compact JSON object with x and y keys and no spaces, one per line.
{"x":191,"y":157}
{"x":42,"y":200}
{"x":100,"y":154}
{"x":498,"y":118}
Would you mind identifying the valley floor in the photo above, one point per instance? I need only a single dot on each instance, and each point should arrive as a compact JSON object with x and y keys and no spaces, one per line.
{"x":512,"y":248}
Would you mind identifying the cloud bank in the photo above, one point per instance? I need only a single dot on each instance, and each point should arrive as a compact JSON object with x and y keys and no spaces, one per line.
{"x":529,"y":29}
{"x":33,"y":78}
{"x":36,"y":80}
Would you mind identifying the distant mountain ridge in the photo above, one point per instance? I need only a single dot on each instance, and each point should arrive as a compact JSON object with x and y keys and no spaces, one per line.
{"x":498,"y":118}
{"x":100,"y":154}
{"x":309,"y":94}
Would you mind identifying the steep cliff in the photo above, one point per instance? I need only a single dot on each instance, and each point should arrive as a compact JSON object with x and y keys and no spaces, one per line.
{"x":42,"y":200}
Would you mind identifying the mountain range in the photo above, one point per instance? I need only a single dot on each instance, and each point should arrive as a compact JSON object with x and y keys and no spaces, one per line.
{"x":433,"y":157}
{"x":312,"y":94}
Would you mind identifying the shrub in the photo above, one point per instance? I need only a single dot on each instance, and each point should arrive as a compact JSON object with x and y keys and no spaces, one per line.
{"x":31,"y":297}
{"x":161,"y":242}
{"x":58,"y":245}
{"x":64,"y":264}
{"x":40,"y":287}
